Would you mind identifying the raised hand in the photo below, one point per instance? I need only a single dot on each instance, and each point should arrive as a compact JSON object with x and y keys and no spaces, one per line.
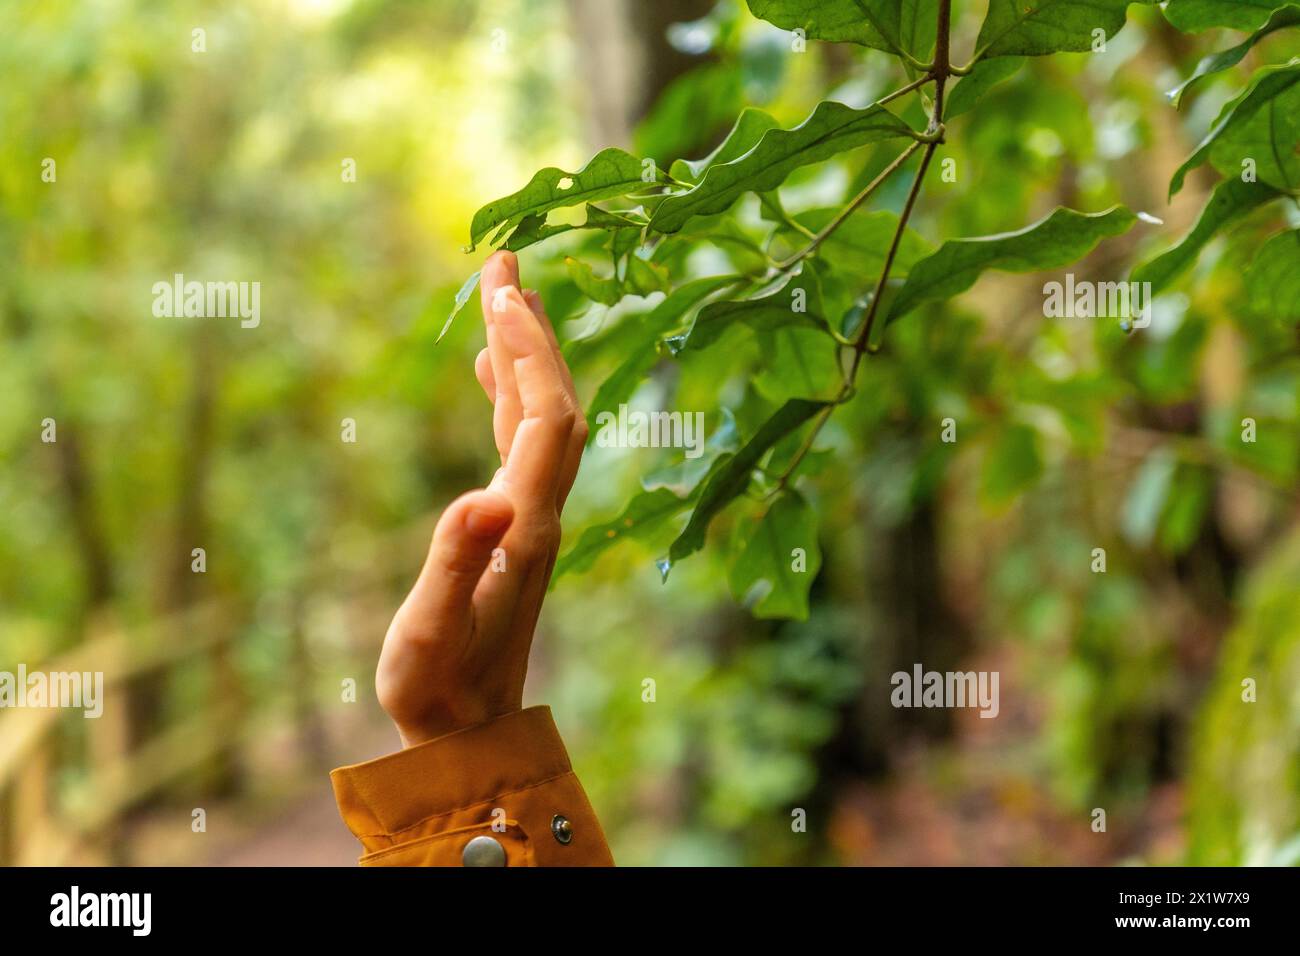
{"x":456,"y":653}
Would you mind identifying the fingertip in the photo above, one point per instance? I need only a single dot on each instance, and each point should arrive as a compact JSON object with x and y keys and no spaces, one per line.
{"x":500,"y":272}
{"x":506,"y":259}
{"x":502,"y":268}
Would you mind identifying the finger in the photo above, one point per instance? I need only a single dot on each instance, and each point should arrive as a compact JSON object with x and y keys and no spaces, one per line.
{"x":538,"y":452}
{"x":468,"y":531}
{"x":534,"y":300}
{"x":501,"y":268}
{"x":483,"y":371}
{"x":578,"y":439}
{"x":500,"y":274}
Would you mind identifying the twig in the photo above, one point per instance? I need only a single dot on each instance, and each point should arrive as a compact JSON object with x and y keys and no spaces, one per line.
{"x":852,"y":207}
{"x":939,"y":72}
{"x":942,"y":68}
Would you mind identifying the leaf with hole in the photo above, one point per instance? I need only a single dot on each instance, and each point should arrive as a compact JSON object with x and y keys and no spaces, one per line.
{"x":534,"y":229}
{"x":610,"y":173}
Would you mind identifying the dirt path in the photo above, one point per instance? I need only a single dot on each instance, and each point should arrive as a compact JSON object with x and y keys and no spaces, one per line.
{"x":307,"y":830}
{"x":309,"y":834}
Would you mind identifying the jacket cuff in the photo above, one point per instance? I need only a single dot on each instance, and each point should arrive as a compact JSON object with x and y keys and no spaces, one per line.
{"x":509,"y":779}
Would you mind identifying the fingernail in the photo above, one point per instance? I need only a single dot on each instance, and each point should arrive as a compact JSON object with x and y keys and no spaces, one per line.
{"x":484,"y":523}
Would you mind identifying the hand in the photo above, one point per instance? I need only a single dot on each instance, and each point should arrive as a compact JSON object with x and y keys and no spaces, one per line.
{"x":457,"y":652}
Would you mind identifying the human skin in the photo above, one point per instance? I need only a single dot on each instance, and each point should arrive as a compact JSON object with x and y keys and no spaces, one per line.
{"x":456,"y":653}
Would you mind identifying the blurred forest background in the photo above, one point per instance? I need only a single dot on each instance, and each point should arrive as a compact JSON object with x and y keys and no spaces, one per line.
{"x":1119,"y":690}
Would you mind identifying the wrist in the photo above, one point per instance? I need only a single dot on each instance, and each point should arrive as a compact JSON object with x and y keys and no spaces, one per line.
{"x":448,"y":720}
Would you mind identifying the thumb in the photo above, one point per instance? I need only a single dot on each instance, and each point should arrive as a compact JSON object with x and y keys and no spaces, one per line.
{"x":463,"y":542}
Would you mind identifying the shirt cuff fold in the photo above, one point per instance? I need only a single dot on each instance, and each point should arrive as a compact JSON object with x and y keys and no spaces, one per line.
{"x":383,"y":797}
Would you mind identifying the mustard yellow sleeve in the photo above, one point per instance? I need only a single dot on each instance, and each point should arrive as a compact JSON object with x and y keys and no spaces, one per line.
{"x":498,"y":794}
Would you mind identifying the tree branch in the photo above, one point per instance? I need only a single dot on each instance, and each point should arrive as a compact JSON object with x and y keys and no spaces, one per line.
{"x":852,"y":207}
{"x":939,"y":72}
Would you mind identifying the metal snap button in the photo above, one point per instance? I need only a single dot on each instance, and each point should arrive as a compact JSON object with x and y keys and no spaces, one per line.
{"x":562,"y":829}
{"x":483,"y":851}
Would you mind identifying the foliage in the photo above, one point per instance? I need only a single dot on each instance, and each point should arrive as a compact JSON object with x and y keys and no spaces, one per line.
{"x":1120,"y":689}
{"x":824,"y":294}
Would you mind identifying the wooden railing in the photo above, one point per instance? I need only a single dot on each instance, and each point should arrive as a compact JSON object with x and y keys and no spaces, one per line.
{"x":67,"y":782}
{"x":53,"y":821}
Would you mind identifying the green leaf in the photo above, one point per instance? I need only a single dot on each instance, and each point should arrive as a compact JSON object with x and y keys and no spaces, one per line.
{"x":771,"y":209}
{"x":644,"y":515}
{"x":859,"y":246}
{"x":1274,"y":277}
{"x":684,"y":477}
{"x":744,"y":136}
{"x":1061,"y":238}
{"x":610,"y":173}
{"x":1226,"y":59}
{"x":985,"y":75}
{"x":1231,"y":200}
{"x":1193,"y":16}
{"x":731,"y":475}
{"x":762,"y":574}
{"x":645,"y":277}
{"x":606,"y":291}
{"x":642,"y":354}
{"x":642,"y":278}
{"x":792,"y":299}
{"x":1040,"y":27}
{"x":851,"y":259}
{"x":533,"y":229}
{"x":623,"y":241}
{"x":1262,"y":124}
{"x":832,"y":128}
{"x":895,"y":26}
{"x":462,"y":297}
{"x":1011,"y":465}
{"x":797,"y":362}
{"x":746,"y":254}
